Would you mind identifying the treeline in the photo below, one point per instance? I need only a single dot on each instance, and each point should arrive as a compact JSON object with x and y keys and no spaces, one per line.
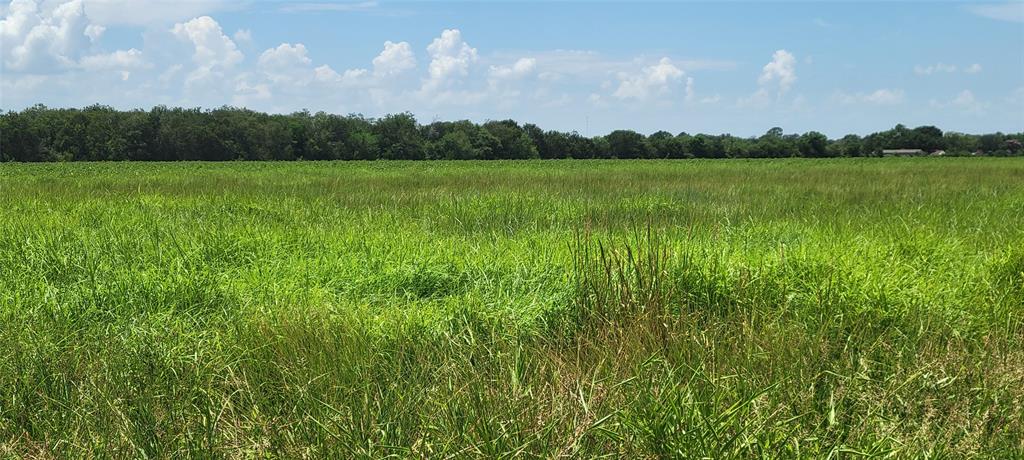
{"x":100,"y":133}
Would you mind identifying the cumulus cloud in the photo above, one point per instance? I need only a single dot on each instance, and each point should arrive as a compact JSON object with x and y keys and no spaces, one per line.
{"x":247,"y":93}
{"x":214,"y":53}
{"x":973,"y":68}
{"x":882,"y":96}
{"x":396,"y":58}
{"x":39,"y":38}
{"x":53,"y":38}
{"x":655,"y":79}
{"x":450,"y":58}
{"x":781,"y":71}
{"x":777,"y":77}
{"x":242,"y":36}
{"x":121,"y":59}
{"x":325,"y":74}
{"x":94,"y":31}
{"x":520,"y":69}
{"x":288,"y":68}
{"x":285,"y":56}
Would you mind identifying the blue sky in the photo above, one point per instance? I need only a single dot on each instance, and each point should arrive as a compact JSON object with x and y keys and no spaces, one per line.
{"x":724,"y":67}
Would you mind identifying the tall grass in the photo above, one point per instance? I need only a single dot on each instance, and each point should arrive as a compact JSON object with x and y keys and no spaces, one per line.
{"x":538,"y":309}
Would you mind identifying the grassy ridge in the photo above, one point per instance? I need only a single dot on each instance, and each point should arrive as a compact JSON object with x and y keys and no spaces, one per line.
{"x":633,"y":309}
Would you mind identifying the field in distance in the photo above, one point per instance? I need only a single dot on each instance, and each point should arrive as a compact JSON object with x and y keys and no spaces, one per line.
{"x":768,"y":308}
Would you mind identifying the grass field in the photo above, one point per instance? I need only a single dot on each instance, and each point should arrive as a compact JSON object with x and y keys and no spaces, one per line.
{"x":790,"y":308}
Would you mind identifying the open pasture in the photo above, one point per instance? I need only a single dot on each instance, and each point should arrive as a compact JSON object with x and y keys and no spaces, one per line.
{"x":772,"y":308}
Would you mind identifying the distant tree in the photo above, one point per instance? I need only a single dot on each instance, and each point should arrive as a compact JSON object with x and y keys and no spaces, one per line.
{"x":627,"y":144}
{"x":101,"y":133}
{"x":736,"y":147}
{"x":813,"y":144}
{"x":664,"y":145}
{"x":512,"y":142}
{"x":398,"y":137}
{"x":774,"y":144}
{"x":455,"y":145}
{"x":959,"y":143}
{"x":927,"y":138}
{"x":561,"y":145}
{"x":539,"y":141}
{"x":600,"y":147}
{"x":698,"y":146}
{"x":990,"y":142}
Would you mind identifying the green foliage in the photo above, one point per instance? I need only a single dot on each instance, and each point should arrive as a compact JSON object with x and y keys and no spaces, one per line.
{"x":454,"y":146}
{"x":509,"y":141}
{"x":627,"y":144}
{"x":813,"y":145}
{"x":399,"y":138}
{"x":633,"y":309}
{"x":99,"y":133}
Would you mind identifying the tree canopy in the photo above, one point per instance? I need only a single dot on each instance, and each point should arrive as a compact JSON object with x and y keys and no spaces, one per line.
{"x":101,"y":133}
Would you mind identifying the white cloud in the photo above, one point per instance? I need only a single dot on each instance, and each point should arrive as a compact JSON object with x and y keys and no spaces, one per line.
{"x":121,"y":59}
{"x":40,"y":38}
{"x":246,"y":93}
{"x":53,"y":38}
{"x":781,"y":71}
{"x":243,"y":36}
{"x":170,"y":74}
{"x":520,"y":69}
{"x":973,"y":68}
{"x":325,"y":74}
{"x":285,"y":56}
{"x":882,"y":96}
{"x":287,"y":64}
{"x":555,"y":65}
{"x":1011,"y":11}
{"x":450,"y":58}
{"x":94,"y":31}
{"x":655,"y":79}
{"x":964,"y":101}
{"x":777,"y":76}
{"x":396,"y":58}
{"x":214,"y":53}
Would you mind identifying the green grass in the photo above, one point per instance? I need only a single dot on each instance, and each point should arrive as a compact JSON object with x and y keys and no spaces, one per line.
{"x":790,"y":308}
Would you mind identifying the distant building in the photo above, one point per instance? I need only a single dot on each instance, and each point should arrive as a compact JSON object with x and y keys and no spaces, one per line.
{"x":904,"y":152}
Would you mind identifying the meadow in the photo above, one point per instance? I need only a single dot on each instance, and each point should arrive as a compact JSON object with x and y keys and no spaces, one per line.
{"x":718,"y":309}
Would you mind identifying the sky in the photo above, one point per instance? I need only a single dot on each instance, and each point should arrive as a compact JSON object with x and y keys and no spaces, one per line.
{"x":591,"y":67}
